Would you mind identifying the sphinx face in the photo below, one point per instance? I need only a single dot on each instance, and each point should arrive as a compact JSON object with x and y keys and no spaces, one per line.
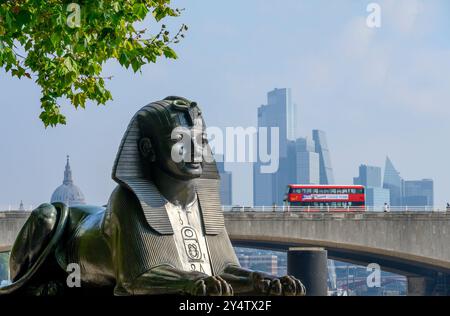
{"x":177,"y":149}
{"x":182,"y":154}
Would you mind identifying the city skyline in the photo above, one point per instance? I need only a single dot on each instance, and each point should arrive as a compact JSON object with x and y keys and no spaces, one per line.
{"x":300,"y":146}
{"x":376,"y":92}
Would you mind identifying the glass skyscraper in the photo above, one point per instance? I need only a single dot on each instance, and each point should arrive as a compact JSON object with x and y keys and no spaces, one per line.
{"x":282,"y":113}
{"x":376,"y":196}
{"x":302,"y":160}
{"x":419,"y":193}
{"x":394,"y":183}
{"x":407,"y":193}
{"x":326,"y":170}
{"x":226,"y":192}
{"x":369,"y":176}
{"x":307,"y":162}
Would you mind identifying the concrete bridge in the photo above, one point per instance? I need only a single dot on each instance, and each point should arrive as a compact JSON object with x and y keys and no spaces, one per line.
{"x":413,"y":244}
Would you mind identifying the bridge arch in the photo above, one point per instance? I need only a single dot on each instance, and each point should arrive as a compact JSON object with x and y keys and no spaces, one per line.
{"x":403,"y":243}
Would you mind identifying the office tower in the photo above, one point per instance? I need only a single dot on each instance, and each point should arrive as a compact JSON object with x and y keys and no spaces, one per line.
{"x":281,"y":100}
{"x":370,"y":178}
{"x":419,"y":193}
{"x":226,"y":189}
{"x":321,"y":147}
{"x":281,"y":113}
{"x":262,"y":187}
{"x":377,"y":197}
{"x":285,"y":175}
{"x":301,"y":160}
{"x":307,"y":162}
{"x":394,"y":183}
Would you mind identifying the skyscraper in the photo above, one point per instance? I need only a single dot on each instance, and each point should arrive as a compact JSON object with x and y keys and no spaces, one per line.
{"x":281,"y":100}
{"x":226,"y":192}
{"x":419,"y":193}
{"x":326,"y":170}
{"x":394,"y":183}
{"x":370,"y":177}
{"x":307,"y":162}
{"x":281,"y":113}
{"x":301,"y":160}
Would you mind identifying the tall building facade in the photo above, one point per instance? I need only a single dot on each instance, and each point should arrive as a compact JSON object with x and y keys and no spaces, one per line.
{"x":307,"y":162}
{"x":419,"y":193}
{"x":321,"y":147}
{"x":407,"y":193}
{"x":301,"y":160}
{"x":394,"y":183}
{"x":226,"y":185}
{"x":376,"y":196}
{"x":369,"y":176}
{"x":279,"y":112}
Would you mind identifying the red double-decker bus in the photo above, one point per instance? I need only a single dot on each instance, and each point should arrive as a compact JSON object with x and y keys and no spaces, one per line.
{"x":326,"y":197}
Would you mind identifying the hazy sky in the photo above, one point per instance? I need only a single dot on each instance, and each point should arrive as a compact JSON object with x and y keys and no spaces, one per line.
{"x":376,"y":92}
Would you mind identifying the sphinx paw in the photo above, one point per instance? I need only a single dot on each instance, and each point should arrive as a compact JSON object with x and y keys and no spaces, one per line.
{"x":212,"y":286}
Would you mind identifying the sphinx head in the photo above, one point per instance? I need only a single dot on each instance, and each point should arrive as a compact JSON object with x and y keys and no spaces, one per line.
{"x":173,"y":138}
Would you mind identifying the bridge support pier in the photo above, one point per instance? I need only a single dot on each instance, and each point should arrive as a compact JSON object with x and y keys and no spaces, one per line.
{"x":309,"y":265}
{"x":417,"y":285}
{"x":429,"y":285}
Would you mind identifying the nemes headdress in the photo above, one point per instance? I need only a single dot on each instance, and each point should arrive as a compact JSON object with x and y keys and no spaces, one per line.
{"x":128,"y":169}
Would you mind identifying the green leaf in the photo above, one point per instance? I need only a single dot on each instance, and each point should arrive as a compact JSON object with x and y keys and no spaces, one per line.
{"x":140,"y":10}
{"x":169,"y":53}
{"x":67,"y":62}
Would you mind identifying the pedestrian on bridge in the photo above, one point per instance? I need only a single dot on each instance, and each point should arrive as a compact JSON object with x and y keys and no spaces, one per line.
{"x":386,"y":208}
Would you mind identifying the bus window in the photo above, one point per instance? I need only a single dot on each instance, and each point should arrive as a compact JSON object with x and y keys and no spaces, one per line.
{"x":353,"y":191}
{"x":338,"y":191}
{"x":308,"y":191}
{"x":344,"y":191}
{"x":333,"y":191}
{"x":315,"y":191}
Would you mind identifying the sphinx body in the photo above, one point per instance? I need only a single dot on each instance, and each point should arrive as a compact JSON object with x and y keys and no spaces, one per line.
{"x":162,"y":231}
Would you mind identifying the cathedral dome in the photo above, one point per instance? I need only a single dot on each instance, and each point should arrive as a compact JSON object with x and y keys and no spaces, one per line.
{"x":68,"y":192}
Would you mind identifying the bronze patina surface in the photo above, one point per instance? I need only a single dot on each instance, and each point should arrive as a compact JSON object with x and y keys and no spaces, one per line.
{"x":162,"y":231}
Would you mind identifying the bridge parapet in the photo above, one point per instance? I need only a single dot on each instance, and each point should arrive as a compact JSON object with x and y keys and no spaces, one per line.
{"x":355,"y":215}
{"x":410,"y":238}
{"x":10,"y":224}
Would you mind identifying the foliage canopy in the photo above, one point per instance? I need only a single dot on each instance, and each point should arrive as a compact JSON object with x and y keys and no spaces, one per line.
{"x":63,"y":45}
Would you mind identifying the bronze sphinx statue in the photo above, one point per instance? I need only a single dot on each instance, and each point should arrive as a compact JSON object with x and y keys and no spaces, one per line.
{"x":162,"y":231}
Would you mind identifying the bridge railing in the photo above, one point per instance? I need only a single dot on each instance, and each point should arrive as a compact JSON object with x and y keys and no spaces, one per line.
{"x":325,"y":209}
